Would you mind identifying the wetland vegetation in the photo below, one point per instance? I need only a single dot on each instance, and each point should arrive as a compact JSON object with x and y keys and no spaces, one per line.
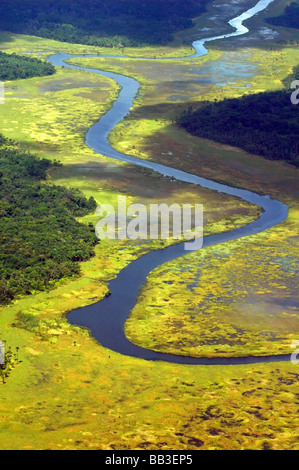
{"x":240,"y":298}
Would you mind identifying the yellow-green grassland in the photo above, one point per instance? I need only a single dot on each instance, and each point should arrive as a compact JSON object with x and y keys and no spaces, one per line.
{"x":235,"y":299}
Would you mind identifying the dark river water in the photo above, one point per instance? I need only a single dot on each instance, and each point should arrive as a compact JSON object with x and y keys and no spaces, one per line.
{"x":106,"y":319}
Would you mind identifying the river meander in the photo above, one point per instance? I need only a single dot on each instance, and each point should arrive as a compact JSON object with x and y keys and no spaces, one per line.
{"x":106,"y":319}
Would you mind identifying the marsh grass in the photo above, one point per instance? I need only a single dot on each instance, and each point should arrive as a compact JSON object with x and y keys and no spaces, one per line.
{"x":70,"y":392}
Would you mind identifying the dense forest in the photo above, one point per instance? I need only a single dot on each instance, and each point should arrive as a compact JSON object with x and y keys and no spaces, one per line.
{"x":100,"y":22}
{"x":265,"y":124}
{"x":41,"y":240}
{"x":289,"y":18}
{"x":13,"y":66}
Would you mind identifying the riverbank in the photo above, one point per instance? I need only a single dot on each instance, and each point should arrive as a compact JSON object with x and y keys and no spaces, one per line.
{"x":71,"y":393}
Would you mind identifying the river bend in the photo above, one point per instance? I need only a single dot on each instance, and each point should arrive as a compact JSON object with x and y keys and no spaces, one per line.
{"x":106,"y":319}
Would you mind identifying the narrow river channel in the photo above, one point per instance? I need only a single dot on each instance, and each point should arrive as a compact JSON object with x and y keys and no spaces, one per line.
{"x":106,"y":319}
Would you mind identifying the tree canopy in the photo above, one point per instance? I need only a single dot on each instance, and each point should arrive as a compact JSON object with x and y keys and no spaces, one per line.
{"x":265,"y":124}
{"x":289,"y":18}
{"x":41,"y":240}
{"x":13,"y":67}
{"x":100,"y":22}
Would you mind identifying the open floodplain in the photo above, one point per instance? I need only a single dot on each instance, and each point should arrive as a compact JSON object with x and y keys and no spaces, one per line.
{"x":234,"y":299}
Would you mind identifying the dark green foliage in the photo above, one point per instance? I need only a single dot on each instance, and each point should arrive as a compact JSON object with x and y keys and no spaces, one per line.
{"x":27,"y":321}
{"x":13,"y":66}
{"x":265,"y":124}
{"x":100,"y":22}
{"x":289,"y":19}
{"x":41,"y":241}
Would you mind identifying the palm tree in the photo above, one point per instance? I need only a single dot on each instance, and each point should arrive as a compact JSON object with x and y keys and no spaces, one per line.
{"x":17,"y":353}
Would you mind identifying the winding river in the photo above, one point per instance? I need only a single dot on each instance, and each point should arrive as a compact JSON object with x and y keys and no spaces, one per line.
{"x":106,"y":319}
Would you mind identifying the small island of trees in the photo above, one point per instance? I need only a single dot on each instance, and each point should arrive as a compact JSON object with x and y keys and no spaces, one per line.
{"x":14,"y":66}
